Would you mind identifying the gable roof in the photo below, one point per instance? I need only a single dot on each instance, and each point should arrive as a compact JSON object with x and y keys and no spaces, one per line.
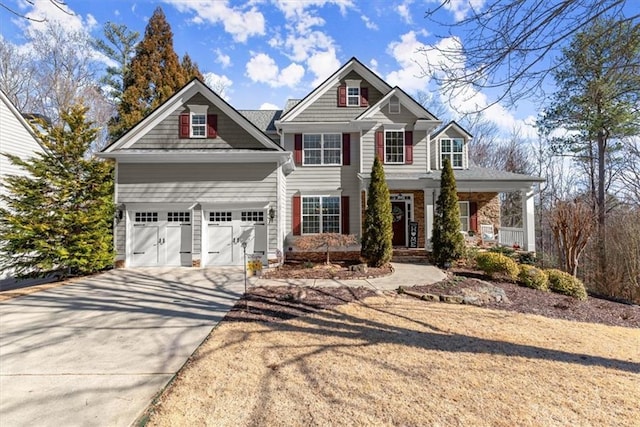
{"x":352,"y":65}
{"x":452,"y":124}
{"x":406,"y":100}
{"x":20,"y":118}
{"x":177,"y":101}
{"x":263,"y":119}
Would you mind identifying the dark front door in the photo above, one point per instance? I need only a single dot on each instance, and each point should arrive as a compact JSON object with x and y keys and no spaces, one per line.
{"x":399,"y":211}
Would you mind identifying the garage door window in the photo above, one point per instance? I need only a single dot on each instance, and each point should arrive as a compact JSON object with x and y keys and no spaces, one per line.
{"x":219,"y":216}
{"x":183,"y":217}
{"x":146,"y":217}
{"x":252,"y":216}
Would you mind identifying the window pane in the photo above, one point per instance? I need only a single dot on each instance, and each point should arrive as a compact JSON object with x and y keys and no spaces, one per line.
{"x":353,"y":96}
{"x":310,"y":205}
{"x":457,"y":161}
{"x":464,"y":208}
{"x":198,"y":125}
{"x":446,"y":146}
{"x":312,"y":141}
{"x":394,"y":147}
{"x":457,"y":145}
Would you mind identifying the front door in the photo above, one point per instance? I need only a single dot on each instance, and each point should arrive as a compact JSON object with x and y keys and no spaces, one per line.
{"x":399,"y":212}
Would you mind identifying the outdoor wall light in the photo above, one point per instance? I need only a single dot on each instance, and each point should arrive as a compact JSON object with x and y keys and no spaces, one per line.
{"x":272,"y":214}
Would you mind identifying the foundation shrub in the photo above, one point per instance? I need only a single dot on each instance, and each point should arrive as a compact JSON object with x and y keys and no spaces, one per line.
{"x":533,"y":277}
{"x":565,"y":284}
{"x":494,"y":264}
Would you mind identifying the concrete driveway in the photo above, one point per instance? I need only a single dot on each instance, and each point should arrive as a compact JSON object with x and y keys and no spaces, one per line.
{"x":94,"y":352}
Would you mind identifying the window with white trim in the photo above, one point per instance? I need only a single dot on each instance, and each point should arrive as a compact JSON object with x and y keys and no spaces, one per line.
{"x":452,"y":148}
{"x":219,"y":216}
{"x":394,"y":105}
{"x":353,"y":96}
{"x":146,"y":217}
{"x":322,"y":149}
{"x":394,"y":147}
{"x":252,"y":216}
{"x":464,"y":215}
{"x":198,"y":125}
{"x":320,"y":214}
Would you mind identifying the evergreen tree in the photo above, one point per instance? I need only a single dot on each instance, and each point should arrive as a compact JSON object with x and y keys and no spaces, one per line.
{"x":447,"y":241}
{"x":156,"y":74}
{"x":59,"y":217}
{"x":377,"y":233}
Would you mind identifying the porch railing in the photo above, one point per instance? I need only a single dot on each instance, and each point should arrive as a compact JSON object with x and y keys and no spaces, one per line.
{"x":509,"y":236}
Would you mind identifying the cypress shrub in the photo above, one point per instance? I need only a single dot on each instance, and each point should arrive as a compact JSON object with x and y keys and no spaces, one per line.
{"x":493,"y":263}
{"x":377,"y":233}
{"x":533,"y":277}
{"x":565,"y":284}
{"x":447,"y":240}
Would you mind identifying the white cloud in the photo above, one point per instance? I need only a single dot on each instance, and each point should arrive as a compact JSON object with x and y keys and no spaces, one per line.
{"x":462,"y":8}
{"x":404,"y":12}
{"x":63,"y":15}
{"x":406,"y":53}
{"x":303,"y":46}
{"x":322,"y":65}
{"x":269,"y":106}
{"x":220,"y":84}
{"x":222,"y":58}
{"x":263,"y":69}
{"x":368,"y":22}
{"x":241,"y":23}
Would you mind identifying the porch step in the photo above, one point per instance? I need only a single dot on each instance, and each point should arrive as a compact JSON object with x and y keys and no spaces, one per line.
{"x":418,"y":255}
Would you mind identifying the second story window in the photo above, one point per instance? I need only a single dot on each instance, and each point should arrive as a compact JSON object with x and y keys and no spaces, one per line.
{"x":394,"y":147}
{"x":198,"y":125}
{"x":353,"y":96}
{"x":322,"y":149}
{"x":451,"y":148}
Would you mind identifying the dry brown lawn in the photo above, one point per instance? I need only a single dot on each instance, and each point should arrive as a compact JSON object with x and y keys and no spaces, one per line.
{"x":399,"y":361}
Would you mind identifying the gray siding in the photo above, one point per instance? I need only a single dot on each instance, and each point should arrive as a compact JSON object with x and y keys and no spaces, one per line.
{"x":326,"y":109}
{"x":229,"y":133}
{"x":325,"y":180}
{"x":186,"y":183}
{"x":419,"y":143}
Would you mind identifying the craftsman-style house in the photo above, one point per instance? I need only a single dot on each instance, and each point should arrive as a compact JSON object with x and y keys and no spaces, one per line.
{"x":198,"y":182}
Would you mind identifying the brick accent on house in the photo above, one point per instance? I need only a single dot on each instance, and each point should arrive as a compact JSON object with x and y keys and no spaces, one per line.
{"x":195,"y":263}
{"x":119,"y":263}
{"x":488,"y":207}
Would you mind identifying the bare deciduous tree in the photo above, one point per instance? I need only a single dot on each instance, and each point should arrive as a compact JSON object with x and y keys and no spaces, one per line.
{"x":572,"y":224}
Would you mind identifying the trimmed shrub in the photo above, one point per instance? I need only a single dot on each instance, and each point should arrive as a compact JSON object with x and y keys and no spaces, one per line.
{"x":565,"y":284}
{"x":504,"y":250}
{"x":533,"y":277}
{"x":527,"y":258}
{"x":493,"y":263}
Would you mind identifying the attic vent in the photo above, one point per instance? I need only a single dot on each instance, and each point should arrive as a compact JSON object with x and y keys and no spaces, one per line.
{"x":394,"y":105}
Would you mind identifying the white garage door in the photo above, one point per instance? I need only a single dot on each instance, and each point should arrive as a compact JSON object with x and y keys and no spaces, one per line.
{"x":228,"y":230}
{"x":161,"y":238}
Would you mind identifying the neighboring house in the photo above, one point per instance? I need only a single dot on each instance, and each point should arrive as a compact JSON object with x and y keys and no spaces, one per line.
{"x":196,"y":178}
{"x":16,"y":138}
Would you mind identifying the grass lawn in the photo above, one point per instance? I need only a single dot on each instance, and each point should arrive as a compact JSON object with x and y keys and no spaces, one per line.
{"x":395,"y":360}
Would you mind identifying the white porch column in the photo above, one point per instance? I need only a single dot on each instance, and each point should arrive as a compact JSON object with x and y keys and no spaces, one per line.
{"x":528,"y":221}
{"x":429,"y":203}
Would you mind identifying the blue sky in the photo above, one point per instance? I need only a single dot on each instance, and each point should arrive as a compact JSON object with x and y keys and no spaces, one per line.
{"x":263,"y":52}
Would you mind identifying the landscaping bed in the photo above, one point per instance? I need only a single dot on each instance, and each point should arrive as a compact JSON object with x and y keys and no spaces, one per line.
{"x":339,"y":270}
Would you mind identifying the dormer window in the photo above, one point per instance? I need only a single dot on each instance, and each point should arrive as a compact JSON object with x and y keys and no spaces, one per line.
{"x":452,"y":148}
{"x":394,"y":105}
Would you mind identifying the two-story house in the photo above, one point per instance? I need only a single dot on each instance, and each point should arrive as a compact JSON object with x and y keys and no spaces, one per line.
{"x":196,"y":179}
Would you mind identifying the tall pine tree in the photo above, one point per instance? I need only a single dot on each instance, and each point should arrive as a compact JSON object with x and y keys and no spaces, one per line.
{"x":377,"y":233}
{"x":447,"y":241}
{"x":59,"y":217}
{"x":155,"y":74}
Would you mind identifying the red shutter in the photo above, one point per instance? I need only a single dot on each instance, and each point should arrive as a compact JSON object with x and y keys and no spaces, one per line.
{"x":380,"y":145}
{"x":346,"y":149}
{"x":473,"y":216}
{"x":364,"y":96}
{"x":344,"y":211}
{"x":212,"y":126}
{"x":408,"y":147}
{"x":342,"y":95}
{"x":297,"y":149}
{"x":183,"y":128}
{"x":296,"y":225}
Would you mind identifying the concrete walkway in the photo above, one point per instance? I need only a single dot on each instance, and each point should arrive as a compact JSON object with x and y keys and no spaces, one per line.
{"x":94,"y":352}
{"x":404,"y":274}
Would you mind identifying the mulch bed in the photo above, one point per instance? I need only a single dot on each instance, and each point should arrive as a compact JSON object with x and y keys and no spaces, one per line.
{"x":335,"y":270}
{"x":273,"y":304}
